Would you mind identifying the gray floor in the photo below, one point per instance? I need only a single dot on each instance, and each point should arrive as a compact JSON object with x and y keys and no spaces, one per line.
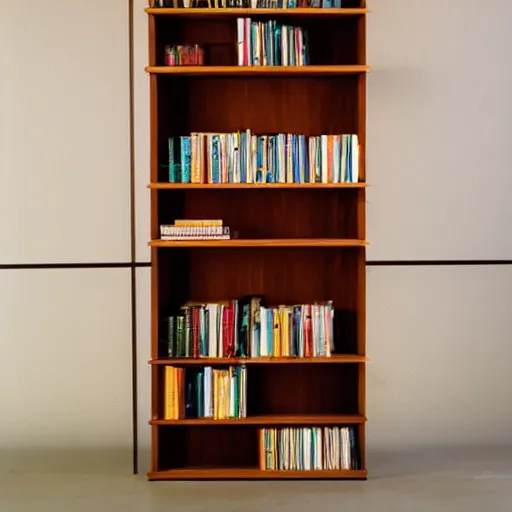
{"x":437,"y":480}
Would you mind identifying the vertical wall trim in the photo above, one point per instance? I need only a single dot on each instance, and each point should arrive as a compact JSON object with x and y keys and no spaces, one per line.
{"x":133,"y":256}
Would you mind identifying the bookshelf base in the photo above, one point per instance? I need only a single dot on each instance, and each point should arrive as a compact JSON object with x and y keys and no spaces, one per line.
{"x":253,"y":474}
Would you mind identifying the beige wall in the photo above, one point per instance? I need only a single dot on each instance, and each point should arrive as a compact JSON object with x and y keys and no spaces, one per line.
{"x":437,"y":161}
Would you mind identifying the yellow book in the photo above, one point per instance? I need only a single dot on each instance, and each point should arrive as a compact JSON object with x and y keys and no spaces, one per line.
{"x":168,"y":409}
{"x":191,"y":223}
{"x":277,"y":333}
{"x":216,"y":394}
{"x":285,"y":334}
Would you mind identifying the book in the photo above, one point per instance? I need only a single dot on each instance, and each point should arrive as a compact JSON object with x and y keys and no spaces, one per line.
{"x":250,"y":328}
{"x":270,"y":43}
{"x":308,"y":449}
{"x":244,"y":157}
{"x":205,"y":392}
{"x":195,"y":230}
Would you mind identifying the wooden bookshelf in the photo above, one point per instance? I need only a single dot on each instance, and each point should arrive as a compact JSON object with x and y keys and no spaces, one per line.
{"x":296,"y":243}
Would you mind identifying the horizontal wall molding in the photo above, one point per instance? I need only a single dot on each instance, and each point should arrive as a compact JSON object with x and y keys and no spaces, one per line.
{"x":147,"y":264}
{"x":434,"y":263}
{"x":40,"y":266}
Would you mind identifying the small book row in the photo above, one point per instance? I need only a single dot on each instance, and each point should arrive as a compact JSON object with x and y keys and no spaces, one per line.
{"x":247,"y":4}
{"x":205,"y":393}
{"x":184,"y":55}
{"x":308,"y":449}
{"x":195,"y":230}
{"x":249,"y":328}
{"x":267,"y":43}
{"x":242,"y":157}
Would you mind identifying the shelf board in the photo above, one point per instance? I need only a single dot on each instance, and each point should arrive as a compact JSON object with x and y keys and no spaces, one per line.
{"x":251,"y":186}
{"x":251,"y":474}
{"x":210,"y":361}
{"x":258,"y":70}
{"x":303,"y":419}
{"x":205,"y":12}
{"x":257,"y":242}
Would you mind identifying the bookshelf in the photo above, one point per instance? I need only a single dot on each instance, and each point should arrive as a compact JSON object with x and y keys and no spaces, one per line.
{"x":297,"y":242}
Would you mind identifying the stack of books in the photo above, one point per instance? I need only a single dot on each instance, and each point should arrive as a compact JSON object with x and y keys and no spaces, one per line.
{"x":308,"y":449}
{"x":195,"y":230}
{"x":243,"y":157}
{"x":248,"y":328}
{"x":267,"y":43}
{"x":205,"y":392}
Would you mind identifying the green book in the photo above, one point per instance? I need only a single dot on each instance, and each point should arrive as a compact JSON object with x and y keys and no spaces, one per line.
{"x":180,"y":336}
{"x":171,"y":336}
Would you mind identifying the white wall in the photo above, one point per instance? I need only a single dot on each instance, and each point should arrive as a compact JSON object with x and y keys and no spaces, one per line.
{"x":437,"y":162}
{"x":65,"y":334}
{"x":439,"y":121}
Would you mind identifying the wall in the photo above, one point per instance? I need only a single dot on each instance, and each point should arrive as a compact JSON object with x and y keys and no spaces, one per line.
{"x":437,"y":155}
{"x":65,"y":348}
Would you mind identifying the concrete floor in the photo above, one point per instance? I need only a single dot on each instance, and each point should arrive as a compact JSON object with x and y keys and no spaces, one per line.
{"x":433,"y":480}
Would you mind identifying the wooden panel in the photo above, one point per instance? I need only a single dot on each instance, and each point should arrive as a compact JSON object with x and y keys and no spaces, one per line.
{"x":236,"y":12}
{"x":284,"y":213}
{"x":302,"y":389}
{"x":277,"y":105}
{"x":254,"y":474}
{"x":210,"y":446}
{"x":276,"y":419}
{"x":215,"y":361}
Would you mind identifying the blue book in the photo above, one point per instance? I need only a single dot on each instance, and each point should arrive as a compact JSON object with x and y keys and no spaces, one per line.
{"x":215,"y":159}
{"x":200,"y":394}
{"x":173,"y":167}
{"x":243,"y":158}
{"x":185,"y":154}
{"x":259,"y":159}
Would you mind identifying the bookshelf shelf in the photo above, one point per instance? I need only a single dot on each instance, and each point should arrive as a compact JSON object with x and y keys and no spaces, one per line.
{"x":298,"y":242}
{"x":302,"y":269}
{"x":337,"y":359}
{"x":303,"y":12}
{"x":269,"y":420}
{"x":258,"y":70}
{"x":253,"y":474}
{"x":251,"y":186}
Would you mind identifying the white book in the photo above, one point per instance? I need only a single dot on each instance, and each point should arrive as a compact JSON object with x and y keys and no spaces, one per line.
{"x":344,"y":140}
{"x":355,"y":159}
{"x":208,"y":392}
{"x":325,"y":158}
{"x":263,"y":332}
{"x":240,"y":40}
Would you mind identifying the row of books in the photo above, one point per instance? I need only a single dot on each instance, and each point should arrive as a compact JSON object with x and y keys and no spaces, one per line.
{"x":242,"y":157}
{"x":205,"y":392}
{"x":308,"y":449}
{"x":267,"y":43}
{"x":247,"y":4}
{"x":184,"y":55}
{"x":195,"y":230}
{"x":249,"y":328}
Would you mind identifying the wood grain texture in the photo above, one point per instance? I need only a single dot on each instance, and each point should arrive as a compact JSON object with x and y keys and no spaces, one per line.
{"x":254,"y":474}
{"x":253,"y":186}
{"x":260,"y":242}
{"x":258,"y":70}
{"x":276,"y":419}
{"x":303,"y":12}
{"x":297,"y":243}
{"x":215,"y":361}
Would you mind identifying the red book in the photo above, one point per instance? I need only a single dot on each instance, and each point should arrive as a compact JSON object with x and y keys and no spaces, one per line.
{"x":308,"y":333}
